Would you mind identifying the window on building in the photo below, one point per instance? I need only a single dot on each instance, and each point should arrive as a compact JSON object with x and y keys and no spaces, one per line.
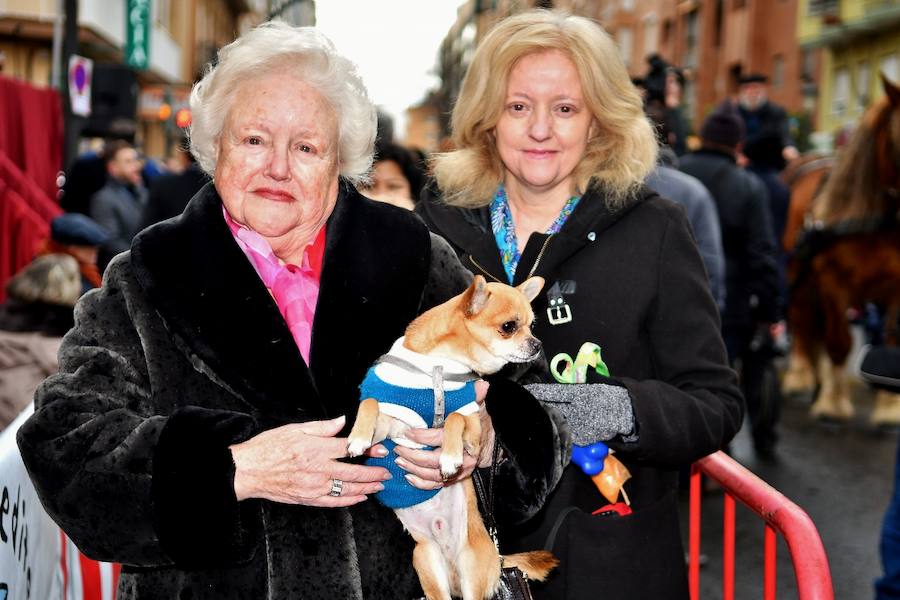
{"x":823,"y":7}
{"x":863,"y":82}
{"x":808,"y":67}
{"x":163,"y":16}
{"x":720,"y":21}
{"x":692,"y":30}
{"x":607,"y":13}
{"x":889,"y":66}
{"x":651,"y":35}
{"x":777,"y":71}
{"x":625,"y":37}
{"x":840,"y":93}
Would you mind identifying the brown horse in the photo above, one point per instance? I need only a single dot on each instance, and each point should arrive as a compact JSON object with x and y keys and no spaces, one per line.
{"x":848,"y":254}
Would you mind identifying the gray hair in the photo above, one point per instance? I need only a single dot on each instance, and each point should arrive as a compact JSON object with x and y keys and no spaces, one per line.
{"x":273,"y":46}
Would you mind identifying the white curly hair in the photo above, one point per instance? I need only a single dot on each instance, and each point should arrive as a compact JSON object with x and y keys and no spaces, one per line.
{"x":305,"y":52}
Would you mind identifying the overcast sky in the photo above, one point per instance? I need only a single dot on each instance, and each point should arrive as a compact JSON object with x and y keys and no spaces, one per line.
{"x":394,"y":43}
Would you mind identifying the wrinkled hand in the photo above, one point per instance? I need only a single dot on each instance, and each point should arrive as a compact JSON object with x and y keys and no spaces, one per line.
{"x":296,"y":463}
{"x":423,"y":466}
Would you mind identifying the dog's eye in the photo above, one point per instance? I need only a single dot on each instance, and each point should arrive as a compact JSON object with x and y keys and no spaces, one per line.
{"x":509,"y":327}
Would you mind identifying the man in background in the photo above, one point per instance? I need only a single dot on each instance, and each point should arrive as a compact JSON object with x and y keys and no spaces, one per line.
{"x":753,"y":299}
{"x":670,"y":183}
{"x":118,"y":205}
{"x":763,"y":117}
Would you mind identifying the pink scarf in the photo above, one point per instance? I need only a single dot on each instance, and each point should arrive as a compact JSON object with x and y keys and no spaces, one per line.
{"x":295,"y":289}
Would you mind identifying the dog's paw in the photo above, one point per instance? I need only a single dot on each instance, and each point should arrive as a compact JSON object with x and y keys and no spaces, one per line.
{"x":450,"y":465}
{"x":357,"y":446}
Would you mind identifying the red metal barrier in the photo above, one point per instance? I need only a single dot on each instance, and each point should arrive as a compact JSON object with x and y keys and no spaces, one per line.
{"x":779,"y":513}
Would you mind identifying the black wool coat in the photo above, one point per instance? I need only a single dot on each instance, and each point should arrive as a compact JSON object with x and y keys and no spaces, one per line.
{"x":183,"y":352}
{"x":636,"y":286}
{"x":751,"y":255}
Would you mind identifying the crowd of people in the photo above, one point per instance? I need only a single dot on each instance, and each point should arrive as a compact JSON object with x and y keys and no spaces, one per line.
{"x":195,"y":429}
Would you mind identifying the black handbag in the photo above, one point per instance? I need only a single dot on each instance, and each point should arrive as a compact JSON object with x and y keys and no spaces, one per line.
{"x":513,"y":582}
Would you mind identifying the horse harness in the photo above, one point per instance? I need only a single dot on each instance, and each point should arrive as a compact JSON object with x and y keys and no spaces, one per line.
{"x":815,"y":237}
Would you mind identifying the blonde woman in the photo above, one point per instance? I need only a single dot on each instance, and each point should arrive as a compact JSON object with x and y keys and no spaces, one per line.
{"x":552,"y":147}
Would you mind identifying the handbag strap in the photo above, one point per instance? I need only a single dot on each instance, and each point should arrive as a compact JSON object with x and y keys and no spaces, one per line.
{"x":485,"y":493}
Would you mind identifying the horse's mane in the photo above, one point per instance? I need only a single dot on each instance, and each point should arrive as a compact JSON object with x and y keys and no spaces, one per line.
{"x":866,"y":169}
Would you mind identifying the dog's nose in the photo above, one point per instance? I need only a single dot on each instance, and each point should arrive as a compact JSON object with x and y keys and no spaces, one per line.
{"x":534,"y":345}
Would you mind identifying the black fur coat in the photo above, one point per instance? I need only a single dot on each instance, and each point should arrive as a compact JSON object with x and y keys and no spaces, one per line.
{"x":183,"y":352}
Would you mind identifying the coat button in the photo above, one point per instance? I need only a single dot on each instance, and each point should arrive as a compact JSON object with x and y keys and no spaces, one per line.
{"x":592,"y":236}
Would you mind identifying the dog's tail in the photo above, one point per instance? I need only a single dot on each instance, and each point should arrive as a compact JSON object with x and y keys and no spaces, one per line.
{"x":536,"y":565}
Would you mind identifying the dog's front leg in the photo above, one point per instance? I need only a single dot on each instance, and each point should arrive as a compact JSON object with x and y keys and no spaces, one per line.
{"x":452,"y":450}
{"x":472,"y":434}
{"x":372,"y":426}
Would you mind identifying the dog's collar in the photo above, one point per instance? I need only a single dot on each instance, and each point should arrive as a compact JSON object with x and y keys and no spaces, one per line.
{"x":413,"y":368}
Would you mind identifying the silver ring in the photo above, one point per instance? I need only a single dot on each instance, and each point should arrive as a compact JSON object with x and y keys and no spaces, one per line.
{"x":337,"y":486}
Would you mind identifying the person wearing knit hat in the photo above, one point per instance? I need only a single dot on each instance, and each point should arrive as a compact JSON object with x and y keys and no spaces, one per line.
{"x":753,"y":293}
{"x":722,"y":128}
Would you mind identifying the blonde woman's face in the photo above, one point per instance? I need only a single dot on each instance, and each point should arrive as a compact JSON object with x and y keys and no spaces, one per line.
{"x":277,"y":168}
{"x":544,"y":128}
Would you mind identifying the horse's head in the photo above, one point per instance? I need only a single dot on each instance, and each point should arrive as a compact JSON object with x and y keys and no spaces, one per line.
{"x":887,"y":139}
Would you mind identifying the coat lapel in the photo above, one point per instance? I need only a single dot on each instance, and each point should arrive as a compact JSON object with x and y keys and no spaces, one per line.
{"x":376,"y":260}
{"x":214,"y":303}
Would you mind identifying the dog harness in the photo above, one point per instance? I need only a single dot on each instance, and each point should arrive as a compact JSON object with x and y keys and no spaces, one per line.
{"x":411,"y":388}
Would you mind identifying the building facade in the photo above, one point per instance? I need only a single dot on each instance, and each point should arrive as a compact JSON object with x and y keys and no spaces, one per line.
{"x":859,"y":39}
{"x":184,"y":36}
{"x":712,"y":41}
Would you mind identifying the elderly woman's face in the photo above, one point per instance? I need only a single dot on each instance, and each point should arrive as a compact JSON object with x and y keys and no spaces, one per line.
{"x":545,"y":125}
{"x":277,"y":165}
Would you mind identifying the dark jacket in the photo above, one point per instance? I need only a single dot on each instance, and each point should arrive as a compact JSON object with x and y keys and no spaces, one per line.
{"x":672,"y":184}
{"x":118,"y":207}
{"x":768,"y":119}
{"x":170,"y":193}
{"x":183,"y":352}
{"x":751,"y":259}
{"x":639,"y":290}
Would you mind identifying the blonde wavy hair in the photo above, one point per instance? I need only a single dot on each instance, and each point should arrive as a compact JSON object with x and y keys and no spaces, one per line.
{"x":619,"y":154}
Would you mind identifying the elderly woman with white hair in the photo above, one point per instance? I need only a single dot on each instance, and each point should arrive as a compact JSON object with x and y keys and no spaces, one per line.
{"x":193,"y":433}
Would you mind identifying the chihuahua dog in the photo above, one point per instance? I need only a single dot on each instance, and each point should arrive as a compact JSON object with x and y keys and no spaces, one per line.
{"x":430,"y":373}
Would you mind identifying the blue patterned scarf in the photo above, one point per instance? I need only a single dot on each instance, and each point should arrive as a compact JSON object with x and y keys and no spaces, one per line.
{"x":505,"y":230}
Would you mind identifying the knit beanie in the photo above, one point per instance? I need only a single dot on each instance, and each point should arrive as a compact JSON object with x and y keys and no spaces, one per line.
{"x":723,"y":127}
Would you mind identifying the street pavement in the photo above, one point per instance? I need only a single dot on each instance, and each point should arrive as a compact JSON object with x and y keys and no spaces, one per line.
{"x":842,"y":476}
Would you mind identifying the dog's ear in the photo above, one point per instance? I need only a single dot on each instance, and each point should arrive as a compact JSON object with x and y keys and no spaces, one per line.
{"x":531,"y":287}
{"x":475,"y":298}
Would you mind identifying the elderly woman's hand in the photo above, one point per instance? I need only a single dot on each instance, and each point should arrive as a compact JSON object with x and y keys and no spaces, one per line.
{"x":424,"y":466}
{"x":297,"y":464}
